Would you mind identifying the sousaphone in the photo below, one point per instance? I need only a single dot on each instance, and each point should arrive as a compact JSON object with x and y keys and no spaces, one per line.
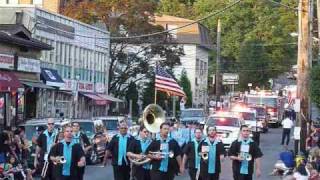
{"x":153,"y":116}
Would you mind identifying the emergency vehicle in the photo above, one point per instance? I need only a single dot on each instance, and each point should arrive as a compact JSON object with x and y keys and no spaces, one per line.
{"x":273,"y":103}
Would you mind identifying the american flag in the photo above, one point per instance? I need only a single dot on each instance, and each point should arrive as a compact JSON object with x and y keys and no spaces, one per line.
{"x":166,"y":83}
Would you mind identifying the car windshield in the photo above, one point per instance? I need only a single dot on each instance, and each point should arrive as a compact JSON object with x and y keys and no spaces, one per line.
{"x":87,"y":128}
{"x":31,"y":131}
{"x":223,"y":121}
{"x":111,"y":124}
{"x":247,"y":116}
{"x":192,"y":113}
{"x":260,"y":111}
{"x":268,"y":101}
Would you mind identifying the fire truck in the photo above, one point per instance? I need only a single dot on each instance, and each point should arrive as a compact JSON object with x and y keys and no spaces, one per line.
{"x":273,"y":103}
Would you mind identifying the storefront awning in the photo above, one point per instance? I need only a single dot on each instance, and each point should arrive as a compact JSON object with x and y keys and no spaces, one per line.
{"x":36,"y":85}
{"x":96,"y":98}
{"x":110,"y":98}
{"x":51,"y":77}
{"x":9,"y":82}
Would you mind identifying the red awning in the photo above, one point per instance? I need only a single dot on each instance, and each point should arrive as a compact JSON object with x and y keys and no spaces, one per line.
{"x":9,"y":82}
{"x":97,"y":99}
{"x":110,"y":98}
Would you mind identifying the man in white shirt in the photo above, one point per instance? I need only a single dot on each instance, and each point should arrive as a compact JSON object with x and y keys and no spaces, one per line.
{"x":287,"y":124}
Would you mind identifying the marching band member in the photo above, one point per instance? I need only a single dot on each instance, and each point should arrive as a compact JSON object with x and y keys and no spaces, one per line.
{"x":81,"y":138}
{"x":212,"y":154}
{"x":191,"y":155}
{"x":167,"y":160}
{"x":245,"y":152}
{"x":117,"y":148}
{"x":44,"y":143}
{"x":136,"y":150}
{"x":177,"y":133}
{"x":73,"y":155}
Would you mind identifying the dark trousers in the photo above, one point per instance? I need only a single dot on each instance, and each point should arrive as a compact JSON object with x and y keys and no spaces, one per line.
{"x":207,"y":176}
{"x":158,"y":175}
{"x":193,"y":173}
{"x":121,"y":172}
{"x":285,"y":134}
{"x":66,"y":178}
{"x":139,"y":173}
{"x":242,"y":177}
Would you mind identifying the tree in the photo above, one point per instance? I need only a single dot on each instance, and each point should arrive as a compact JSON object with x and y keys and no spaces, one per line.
{"x":186,"y":85}
{"x":130,"y":58}
{"x":261,"y":20}
{"x":133,"y":94}
{"x":315,"y":85}
{"x":177,"y":8}
{"x":253,"y":64}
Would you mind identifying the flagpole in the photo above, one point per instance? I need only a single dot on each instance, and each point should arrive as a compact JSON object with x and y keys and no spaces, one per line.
{"x":155,"y":95}
{"x":155,"y":89}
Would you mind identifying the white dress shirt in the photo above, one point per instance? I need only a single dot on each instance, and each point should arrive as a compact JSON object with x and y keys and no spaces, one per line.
{"x":287,"y":123}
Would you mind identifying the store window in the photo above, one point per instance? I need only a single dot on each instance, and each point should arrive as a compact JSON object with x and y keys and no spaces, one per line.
{"x":2,"y":109}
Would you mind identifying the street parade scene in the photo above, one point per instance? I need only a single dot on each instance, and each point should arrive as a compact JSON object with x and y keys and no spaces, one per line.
{"x":159,"y":90}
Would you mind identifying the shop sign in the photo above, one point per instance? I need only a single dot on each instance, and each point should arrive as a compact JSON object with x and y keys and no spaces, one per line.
{"x":29,"y":65}
{"x":85,"y":87}
{"x":69,"y":85}
{"x":6,"y":61}
{"x":100,"y":88}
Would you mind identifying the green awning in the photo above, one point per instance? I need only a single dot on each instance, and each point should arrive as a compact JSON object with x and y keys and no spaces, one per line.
{"x":37,"y":85}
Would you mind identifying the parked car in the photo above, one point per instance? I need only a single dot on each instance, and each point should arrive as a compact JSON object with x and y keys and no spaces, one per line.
{"x":192,"y":115}
{"x":31,"y":127}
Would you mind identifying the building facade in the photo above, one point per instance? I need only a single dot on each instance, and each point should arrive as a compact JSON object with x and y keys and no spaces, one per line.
{"x":196,"y":44}
{"x":19,"y":73}
{"x":50,"y":5}
{"x":77,"y":67}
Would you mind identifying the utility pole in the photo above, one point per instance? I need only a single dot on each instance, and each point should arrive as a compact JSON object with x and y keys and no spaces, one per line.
{"x":304,"y":65}
{"x":218,"y":77}
{"x":318,"y":17}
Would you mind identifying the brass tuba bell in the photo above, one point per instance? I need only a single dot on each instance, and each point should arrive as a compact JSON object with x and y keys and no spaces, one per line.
{"x":153,"y":116}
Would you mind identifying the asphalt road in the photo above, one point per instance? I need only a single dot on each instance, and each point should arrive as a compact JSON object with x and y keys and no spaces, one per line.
{"x":270,"y":145}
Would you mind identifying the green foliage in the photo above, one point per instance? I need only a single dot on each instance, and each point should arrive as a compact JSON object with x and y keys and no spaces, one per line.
{"x":315,"y":85}
{"x":127,"y":18}
{"x":186,"y":85}
{"x":179,"y":8}
{"x":133,"y":94}
{"x":253,"y":20}
{"x":253,"y":64}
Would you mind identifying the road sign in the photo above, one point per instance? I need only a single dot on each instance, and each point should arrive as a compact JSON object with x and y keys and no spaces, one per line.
{"x":230,"y":78}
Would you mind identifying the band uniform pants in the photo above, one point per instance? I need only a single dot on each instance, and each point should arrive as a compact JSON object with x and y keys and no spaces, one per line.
{"x":242,"y":177}
{"x":285,"y":134}
{"x":214,"y":176}
{"x":139,"y":173}
{"x":158,"y":175}
{"x":193,"y":174}
{"x":121,"y":172}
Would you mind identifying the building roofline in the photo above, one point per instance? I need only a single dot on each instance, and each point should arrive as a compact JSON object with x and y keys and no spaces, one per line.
{"x":56,"y":14}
